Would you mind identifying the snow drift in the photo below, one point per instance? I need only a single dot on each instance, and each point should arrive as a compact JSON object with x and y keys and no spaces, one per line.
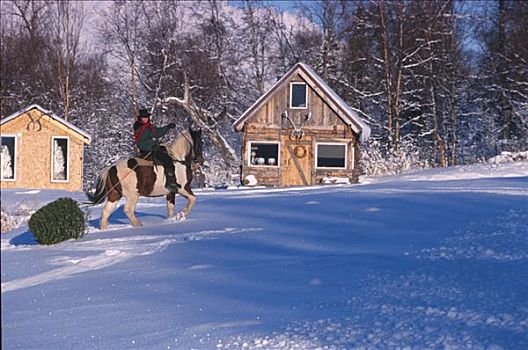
{"x":397,"y":263}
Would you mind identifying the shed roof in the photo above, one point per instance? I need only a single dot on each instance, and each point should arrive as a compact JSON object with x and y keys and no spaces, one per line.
{"x":350,"y":117}
{"x":86,"y":137}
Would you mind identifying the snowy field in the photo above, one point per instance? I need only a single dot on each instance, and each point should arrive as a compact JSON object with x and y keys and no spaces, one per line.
{"x":436,"y":259}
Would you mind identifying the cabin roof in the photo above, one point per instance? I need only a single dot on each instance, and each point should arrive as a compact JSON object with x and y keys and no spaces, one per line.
{"x":87,"y":138}
{"x":351,"y":118}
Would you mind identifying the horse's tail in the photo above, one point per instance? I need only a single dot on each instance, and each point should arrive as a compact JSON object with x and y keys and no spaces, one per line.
{"x":96,"y":195}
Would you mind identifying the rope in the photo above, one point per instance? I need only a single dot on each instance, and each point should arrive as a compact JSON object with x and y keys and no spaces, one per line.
{"x":135,"y":166}
{"x":119,"y":182}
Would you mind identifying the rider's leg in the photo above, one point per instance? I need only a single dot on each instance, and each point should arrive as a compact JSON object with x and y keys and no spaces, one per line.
{"x":168,"y":166}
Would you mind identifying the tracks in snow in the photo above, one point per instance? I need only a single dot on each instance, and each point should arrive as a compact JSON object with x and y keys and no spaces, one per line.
{"x":109,"y":251}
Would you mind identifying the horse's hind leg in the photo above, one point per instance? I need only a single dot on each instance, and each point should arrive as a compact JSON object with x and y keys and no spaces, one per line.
{"x":114,"y":195}
{"x":129,"y":208}
{"x":191,"y":200}
{"x":107,"y":210}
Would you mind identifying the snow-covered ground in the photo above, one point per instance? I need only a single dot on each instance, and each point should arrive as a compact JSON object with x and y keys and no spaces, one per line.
{"x":394,"y":263}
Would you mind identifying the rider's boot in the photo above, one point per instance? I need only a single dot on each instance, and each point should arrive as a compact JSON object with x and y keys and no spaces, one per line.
{"x":170,"y":182}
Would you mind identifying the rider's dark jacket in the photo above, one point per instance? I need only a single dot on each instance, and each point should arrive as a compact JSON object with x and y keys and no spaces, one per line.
{"x":147,"y":136}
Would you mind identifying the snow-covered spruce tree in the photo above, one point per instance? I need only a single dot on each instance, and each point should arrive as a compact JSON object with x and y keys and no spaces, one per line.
{"x":57,"y":221}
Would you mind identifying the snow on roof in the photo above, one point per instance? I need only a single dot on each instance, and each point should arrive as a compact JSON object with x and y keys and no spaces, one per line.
{"x":50,"y":114}
{"x":351,"y":118}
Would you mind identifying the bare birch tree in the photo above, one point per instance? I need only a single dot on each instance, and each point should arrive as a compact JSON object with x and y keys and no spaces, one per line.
{"x":66,"y":19}
{"x":387,"y":67}
{"x":257,"y":31}
{"x":187,"y":68}
{"x":122,"y":27}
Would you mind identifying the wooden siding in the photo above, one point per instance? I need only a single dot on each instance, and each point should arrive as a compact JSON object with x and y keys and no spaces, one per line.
{"x":34,"y":157}
{"x":270,"y":113}
{"x":325,"y":125}
{"x":287,"y":172}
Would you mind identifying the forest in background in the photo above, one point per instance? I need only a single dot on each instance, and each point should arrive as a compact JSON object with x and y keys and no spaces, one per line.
{"x":440,"y":83}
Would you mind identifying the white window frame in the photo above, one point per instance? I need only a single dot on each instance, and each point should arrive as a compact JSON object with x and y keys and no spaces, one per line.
{"x":291,"y":94}
{"x":317,"y":144}
{"x":53,"y":138}
{"x":277,"y":161}
{"x":15,"y":163}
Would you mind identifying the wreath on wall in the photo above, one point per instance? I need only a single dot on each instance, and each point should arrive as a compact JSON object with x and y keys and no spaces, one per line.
{"x":299,"y":151}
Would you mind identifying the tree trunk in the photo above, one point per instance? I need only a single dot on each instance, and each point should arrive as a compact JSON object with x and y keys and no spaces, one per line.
{"x":399,"y":69}
{"x":133,"y":88}
{"x":200,"y":118}
{"x":453,"y":89}
{"x":388,"y":75}
{"x":501,"y":68}
{"x":67,"y":25}
{"x":438,"y":139}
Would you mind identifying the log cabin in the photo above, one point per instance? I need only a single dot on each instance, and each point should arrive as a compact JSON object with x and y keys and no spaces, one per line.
{"x":40,"y":150}
{"x":299,"y":133}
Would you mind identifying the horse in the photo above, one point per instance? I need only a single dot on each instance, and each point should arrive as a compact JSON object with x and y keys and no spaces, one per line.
{"x":137,"y":177}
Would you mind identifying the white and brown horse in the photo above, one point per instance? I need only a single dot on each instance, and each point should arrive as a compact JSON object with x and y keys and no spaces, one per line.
{"x":136,"y":177}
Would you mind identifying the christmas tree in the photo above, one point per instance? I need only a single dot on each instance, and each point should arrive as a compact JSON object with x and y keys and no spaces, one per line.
{"x":59,"y":163}
{"x":5,"y":161}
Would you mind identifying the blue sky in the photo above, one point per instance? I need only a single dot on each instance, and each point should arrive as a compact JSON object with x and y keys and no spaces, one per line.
{"x":281,"y":4}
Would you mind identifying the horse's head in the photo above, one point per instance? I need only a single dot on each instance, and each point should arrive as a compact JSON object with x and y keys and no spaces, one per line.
{"x":197,"y":148}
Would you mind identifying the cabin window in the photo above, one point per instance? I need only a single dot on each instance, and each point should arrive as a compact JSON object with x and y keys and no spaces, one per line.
{"x":298,"y":95}
{"x":60,"y":159}
{"x":8,"y":158}
{"x":331,"y":155}
{"x":263,"y":153}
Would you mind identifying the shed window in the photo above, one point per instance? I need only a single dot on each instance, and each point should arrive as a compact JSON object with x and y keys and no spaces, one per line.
{"x":60,"y":159}
{"x":298,"y":95}
{"x":331,"y":155}
{"x":263,"y":153}
{"x":8,"y":158}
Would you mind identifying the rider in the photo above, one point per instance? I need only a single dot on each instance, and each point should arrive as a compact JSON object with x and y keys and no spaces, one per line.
{"x":147,"y":138}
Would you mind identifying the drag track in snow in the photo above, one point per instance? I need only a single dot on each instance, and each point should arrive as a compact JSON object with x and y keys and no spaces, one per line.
{"x":105,"y":252}
{"x":404,"y":263}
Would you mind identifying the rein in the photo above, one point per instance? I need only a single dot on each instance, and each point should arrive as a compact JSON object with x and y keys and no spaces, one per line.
{"x":144,"y":157}
{"x":169,"y":151}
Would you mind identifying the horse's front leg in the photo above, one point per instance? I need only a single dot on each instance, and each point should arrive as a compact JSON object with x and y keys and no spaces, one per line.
{"x":191,"y":200}
{"x":171,"y":201}
{"x":107,"y":210}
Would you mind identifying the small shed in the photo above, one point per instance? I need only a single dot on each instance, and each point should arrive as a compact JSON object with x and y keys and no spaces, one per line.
{"x":300,"y":132}
{"x":40,"y":150}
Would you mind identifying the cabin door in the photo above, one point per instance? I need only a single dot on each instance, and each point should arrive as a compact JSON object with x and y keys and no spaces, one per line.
{"x":296,"y":164}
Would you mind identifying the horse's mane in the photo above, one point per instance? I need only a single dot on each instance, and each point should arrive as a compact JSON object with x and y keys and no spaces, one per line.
{"x":181,"y":146}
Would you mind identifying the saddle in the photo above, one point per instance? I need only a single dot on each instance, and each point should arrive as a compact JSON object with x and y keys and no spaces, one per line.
{"x":146,"y":159}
